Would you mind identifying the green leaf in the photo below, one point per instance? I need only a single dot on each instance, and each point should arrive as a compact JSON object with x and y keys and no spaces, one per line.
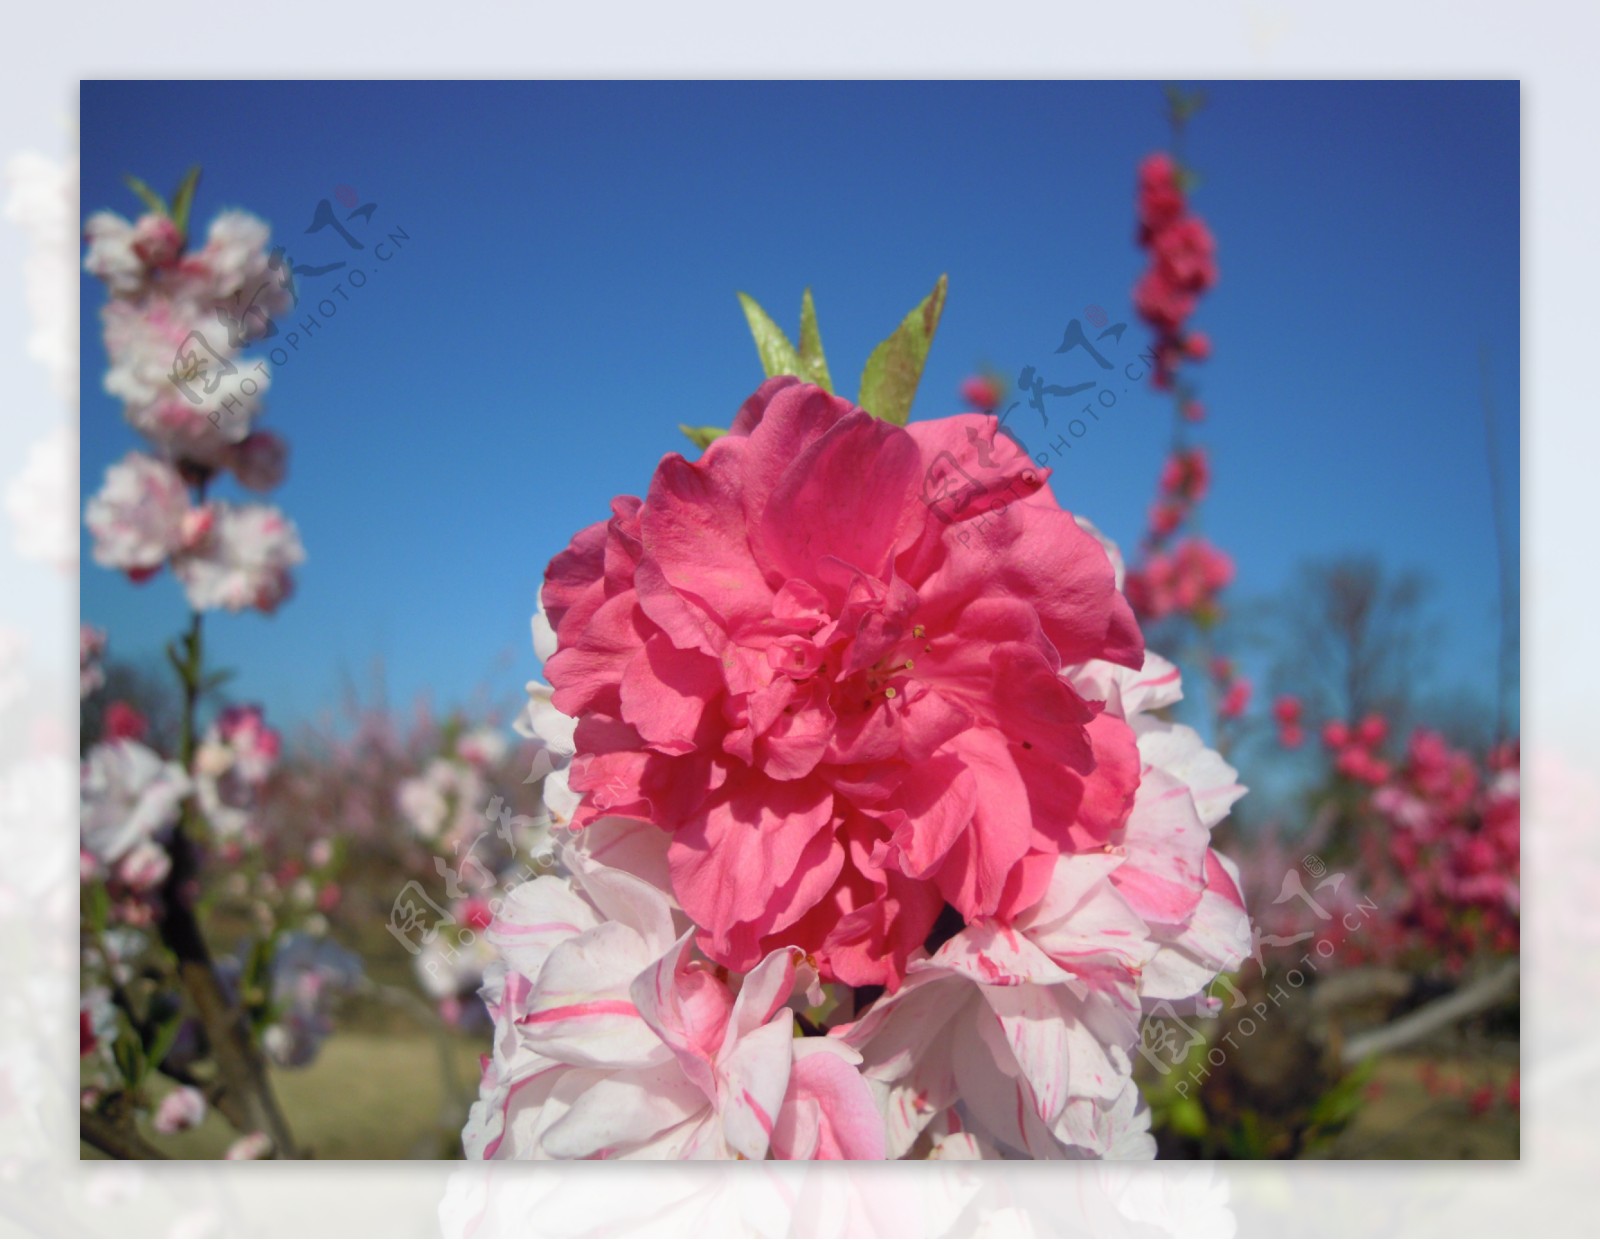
{"x":778,"y":356}
{"x":889,"y":382}
{"x":148,"y":196}
{"x":163,"y":1038}
{"x":129,"y":1057}
{"x":812,"y":362}
{"x":183,"y":199}
{"x":217,"y":679}
{"x":701,"y":436}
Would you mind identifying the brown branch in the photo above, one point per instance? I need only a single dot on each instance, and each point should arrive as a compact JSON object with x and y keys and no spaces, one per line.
{"x":115,"y":1140}
{"x":239,"y":1062}
{"x":1432,"y":1017}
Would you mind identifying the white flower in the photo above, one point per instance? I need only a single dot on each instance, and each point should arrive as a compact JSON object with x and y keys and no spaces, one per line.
{"x":127,"y":793}
{"x":111,"y":255}
{"x":181,"y":380}
{"x":140,"y":516}
{"x":179,"y":1111}
{"x":241,"y":272}
{"x":234,"y":760}
{"x":243,"y":561}
{"x":481,"y":747}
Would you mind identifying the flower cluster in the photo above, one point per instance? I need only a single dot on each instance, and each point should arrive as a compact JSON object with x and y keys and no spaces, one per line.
{"x":235,"y":758}
{"x":444,"y":803}
{"x":1185,"y":479}
{"x":1232,"y":690}
{"x":834,"y":774}
{"x":1182,"y":267}
{"x":1356,"y":750}
{"x":1287,"y":713}
{"x":175,"y":327}
{"x":460,"y":801}
{"x":1455,"y":838}
{"x":129,"y":799}
{"x":1184,"y":580}
{"x":1179,"y":573}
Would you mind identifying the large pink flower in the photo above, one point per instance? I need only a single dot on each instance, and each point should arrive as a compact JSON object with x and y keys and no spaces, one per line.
{"x":826,"y":657}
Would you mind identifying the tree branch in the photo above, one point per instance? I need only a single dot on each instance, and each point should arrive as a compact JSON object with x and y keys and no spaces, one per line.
{"x":1432,"y":1017}
{"x":115,"y":1140}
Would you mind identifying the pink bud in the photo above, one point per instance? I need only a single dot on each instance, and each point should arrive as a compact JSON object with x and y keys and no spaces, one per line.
{"x":157,"y":241}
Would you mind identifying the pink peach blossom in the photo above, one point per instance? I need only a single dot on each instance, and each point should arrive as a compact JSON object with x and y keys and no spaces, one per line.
{"x":804,"y":658}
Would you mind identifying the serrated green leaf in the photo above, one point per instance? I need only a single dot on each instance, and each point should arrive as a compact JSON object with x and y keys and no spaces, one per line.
{"x":778,"y":356}
{"x":702,"y":436}
{"x":812,"y":361}
{"x":889,"y":382}
{"x":183,"y":199}
{"x":148,"y":196}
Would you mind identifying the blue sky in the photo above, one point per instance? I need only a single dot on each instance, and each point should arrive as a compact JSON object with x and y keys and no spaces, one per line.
{"x":565,"y":298}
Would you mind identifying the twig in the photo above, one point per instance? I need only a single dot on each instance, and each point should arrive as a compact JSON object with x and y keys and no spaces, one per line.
{"x":1432,"y":1017}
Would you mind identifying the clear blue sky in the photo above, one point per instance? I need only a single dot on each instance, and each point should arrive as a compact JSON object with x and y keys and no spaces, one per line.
{"x":566,"y":298}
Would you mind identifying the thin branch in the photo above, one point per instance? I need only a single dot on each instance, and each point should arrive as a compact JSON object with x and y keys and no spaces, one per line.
{"x":1432,"y":1017}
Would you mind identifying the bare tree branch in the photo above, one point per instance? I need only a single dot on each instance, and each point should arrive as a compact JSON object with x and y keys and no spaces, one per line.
{"x":1432,"y":1017}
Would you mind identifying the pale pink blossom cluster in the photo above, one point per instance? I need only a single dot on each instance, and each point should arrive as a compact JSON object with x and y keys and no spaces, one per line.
{"x":880,"y":850}
{"x":234,"y":760}
{"x":129,"y":797}
{"x":459,"y":805}
{"x":175,"y":328}
{"x":444,"y":804}
{"x":226,"y":555}
{"x":178,"y":321}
